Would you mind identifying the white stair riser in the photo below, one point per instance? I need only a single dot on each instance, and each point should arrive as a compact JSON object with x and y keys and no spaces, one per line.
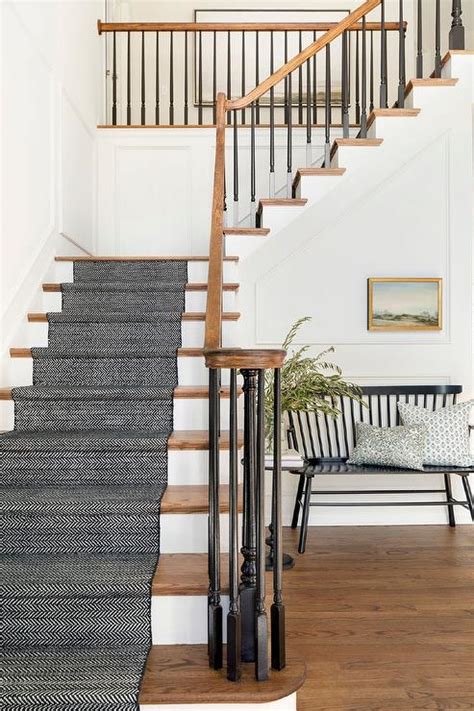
{"x":187,"y":533}
{"x":286,"y":704}
{"x":182,"y":619}
{"x":7,"y":415}
{"x":192,"y":467}
{"x":390,"y":128}
{"x":430,"y":98}
{"x":245,"y":245}
{"x":197,"y":271}
{"x":314,"y":187}
{"x":192,"y":371}
{"x":276,"y":217}
{"x":35,"y":334}
{"x":195,"y":301}
{"x":353,"y":157}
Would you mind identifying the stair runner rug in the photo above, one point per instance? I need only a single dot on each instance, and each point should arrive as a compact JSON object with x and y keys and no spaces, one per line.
{"x":83,"y":474}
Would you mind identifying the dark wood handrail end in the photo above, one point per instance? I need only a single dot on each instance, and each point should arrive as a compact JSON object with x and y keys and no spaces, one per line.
{"x":258,"y":358}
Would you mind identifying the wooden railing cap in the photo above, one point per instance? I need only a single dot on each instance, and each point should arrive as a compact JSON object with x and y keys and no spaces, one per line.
{"x":258,"y":358}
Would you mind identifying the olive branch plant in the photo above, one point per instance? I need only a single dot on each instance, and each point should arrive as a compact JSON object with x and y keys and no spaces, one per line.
{"x":307,"y":382}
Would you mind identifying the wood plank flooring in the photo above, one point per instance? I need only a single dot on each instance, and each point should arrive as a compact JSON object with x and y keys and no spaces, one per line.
{"x":383,"y":617}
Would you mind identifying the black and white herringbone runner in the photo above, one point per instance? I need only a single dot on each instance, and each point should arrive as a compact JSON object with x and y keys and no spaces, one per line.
{"x":83,"y":474}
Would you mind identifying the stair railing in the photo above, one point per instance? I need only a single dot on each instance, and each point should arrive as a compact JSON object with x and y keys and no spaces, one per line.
{"x":247,"y":621}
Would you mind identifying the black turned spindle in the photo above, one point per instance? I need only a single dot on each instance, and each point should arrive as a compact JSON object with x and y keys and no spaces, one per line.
{"x":214,"y":77}
{"x":143,"y":107}
{"x":242,"y":62}
{"x":272,"y":124}
{"x":363,"y":116}
{"x":371,"y":72}
{"x":157,"y":79}
{"x":456,"y":33}
{"x":277,"y":610}
{"x":248,"y":576}
{"x":300,"y":82}
{"x":383,"y":58}
{"x":114,"y":80}
{"x":357,"y":81}
{"x":344,"y":97}
{"x":252,"y":160}
{"x":171,"y":78}
{"x":437,"y":69}
{"x":419,"y":40}
{"x":234,"y":641}
{"x":287,"y":103}
{"x":289,"y":138}
{"x":401,"y":59}
{"x":308,"y":112}
{"x":129,"y":105}
{"x":315,"y":87}
{"x":229,"y":79}
{"x":236,"y":167}
{"x":186,"y":81}
{"x":327,"y":109}
{"x":261,"y":624}
{"x":200,"y":80}
{"x":257,"y":74}
{"x":214,"y":596}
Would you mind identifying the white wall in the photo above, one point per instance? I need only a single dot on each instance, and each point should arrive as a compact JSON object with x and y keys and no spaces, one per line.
{"x":50,"y":96}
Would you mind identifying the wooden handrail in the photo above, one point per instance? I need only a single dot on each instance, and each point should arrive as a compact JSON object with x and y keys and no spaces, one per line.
{"x":238,"y":26}
{"x":260,"y":358}
{"x":302,"y":57}
{"x":212,"y":332}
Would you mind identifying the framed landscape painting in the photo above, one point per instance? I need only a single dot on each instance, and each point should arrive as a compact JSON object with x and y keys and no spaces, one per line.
{"x":397,"y":304}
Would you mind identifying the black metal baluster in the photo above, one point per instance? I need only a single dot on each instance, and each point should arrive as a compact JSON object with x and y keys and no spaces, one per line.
{"x":456,"y":33}
{"x":277,"y":610}
{"x":363,"y":116}
{"x":248,"y":570}
{"x":437,"y":69}
{"x":315,"y":87}
{"x":143,"y":108}
{"x":357,"y":81}
{"x":229,"y":80}
{"x":157,"y":80}
{"x":252,"y":162}
{"x":234,"y":668}
{"x":214,"y":77}
{"x":171,"y":78}
{"x":214,"y":597}
{"x":186,"y":82}
{"x":261,"y":624}
{"x":419,"y":40}
{"x":129,"y":105}
{"x":243,"y":73}
{"x":327,"y":110}
{"x":300,"y":82}
{"x":272,"y":124}
{"x":257,"y":75}
{"x":371,"y":70}
{"x":401,"y":59}
{"x":289,"y":140}
{"x":286,"y":102}
{"x":236,"y":172}
{"x":200,"y":80}
{"x":344,"y":97}
{"x":383,"y":58}
{"x":308,"y":112}
{"x":114,"y":80}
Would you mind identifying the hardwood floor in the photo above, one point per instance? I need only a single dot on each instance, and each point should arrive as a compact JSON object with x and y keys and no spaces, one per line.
{"x":384,"y":617}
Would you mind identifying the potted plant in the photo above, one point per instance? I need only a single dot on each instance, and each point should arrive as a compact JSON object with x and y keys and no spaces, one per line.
{"x":307,"y":383}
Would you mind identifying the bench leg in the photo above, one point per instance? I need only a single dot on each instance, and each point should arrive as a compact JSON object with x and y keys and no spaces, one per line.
{"x":468,"y":492}
{"x":299,"y":494}
{"x":449,"y":496}
{"x":304,"y":522}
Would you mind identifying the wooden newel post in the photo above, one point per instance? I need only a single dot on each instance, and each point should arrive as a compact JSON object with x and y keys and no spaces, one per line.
{"x":456,"y":34}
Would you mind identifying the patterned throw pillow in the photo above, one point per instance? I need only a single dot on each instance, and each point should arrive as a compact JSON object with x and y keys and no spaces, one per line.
{"x":447,"y":435}
{"x":401,"y":447}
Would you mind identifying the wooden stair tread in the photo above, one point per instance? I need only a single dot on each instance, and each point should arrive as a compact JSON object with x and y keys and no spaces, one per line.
{"x":179,"y":258}
{"x":286,"y":202}
{"x":197,"y":440}
{"x":185,"y":316}
{"x":194,"y":498}
{"x":191,"y":286}
{"x":181,"y":392}
{"x":454,"y":52}
{"x":258,"y":231}
{"x":5,"y":393}
{"x":391,"y":113}
{"x":326,"y":172}
{"x":186,"y":574}
{"x":182,"y":352}
{"x":429,"y":82}
{"x":180,"y":674}
{"x":355,"y":142}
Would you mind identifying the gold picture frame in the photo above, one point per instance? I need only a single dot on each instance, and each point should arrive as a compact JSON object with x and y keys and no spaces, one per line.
{"x":405,"y":304}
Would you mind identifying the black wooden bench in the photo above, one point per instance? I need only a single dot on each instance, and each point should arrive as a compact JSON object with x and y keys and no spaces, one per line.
{"x":326,"y":443}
